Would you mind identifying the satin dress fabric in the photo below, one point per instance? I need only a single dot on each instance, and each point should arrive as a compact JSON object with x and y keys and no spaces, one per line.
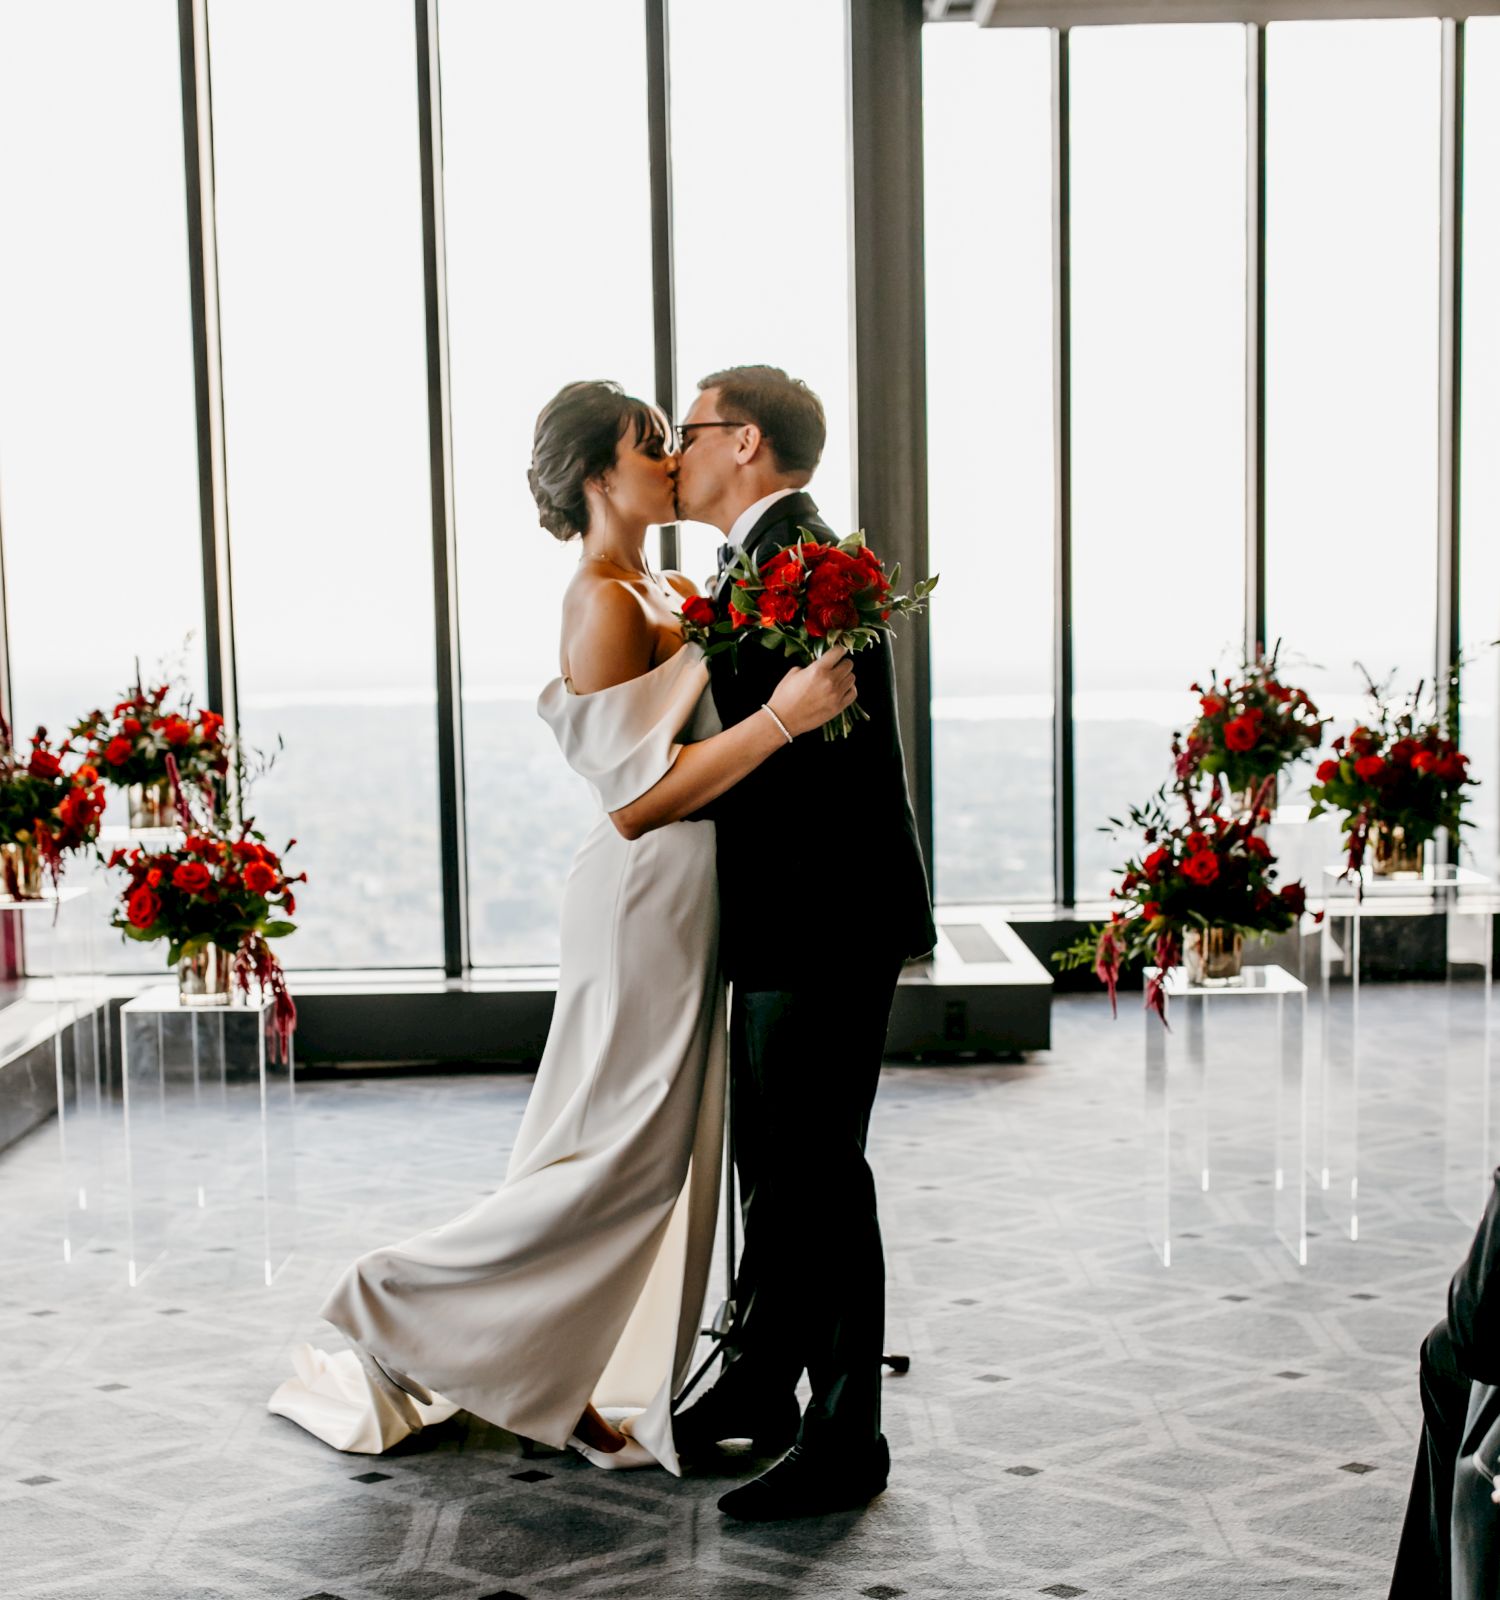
{"x":582,"y":1278}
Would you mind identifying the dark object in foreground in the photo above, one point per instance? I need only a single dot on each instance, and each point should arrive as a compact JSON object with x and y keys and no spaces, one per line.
{"x":812,"y":1483}
{"x":771,"y":1429}
{"x":1450,"y":1542}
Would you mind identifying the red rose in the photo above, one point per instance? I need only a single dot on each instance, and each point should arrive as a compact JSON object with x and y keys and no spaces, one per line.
{"x":1202,"y":867}
{"x":211,"y":721}
{"x":192,"y":877}
{"x":87,"y":774}
{"x":142,"y":908}
{"x":1367,"y":767}
{"x":1258,"y":847}
{"x":1151,"y":909}
{"x":131,"y":724}
{"x":1239,"y":733}
{"x":1295,"y":897}
{"x":1423,"y":761}
{"x":698,"y":611}
{"x":153,"y":877}
{"x":259,"y":878}
{"x":1451,"y":769}
{"x":177,"y":731}
{"x":1155,"y":862}
{"x":118,"y":751}
{"x":786,"y":576}
{"x":1402,"y":751}
{"x":1327,"y":771}
{"x":778,"y":606}
{"x":825,"y":619}
{"x":1212,"y":705}
{"x":44,"y":764}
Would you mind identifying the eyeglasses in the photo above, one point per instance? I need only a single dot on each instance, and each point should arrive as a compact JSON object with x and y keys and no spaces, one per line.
{"x":684,"y":430}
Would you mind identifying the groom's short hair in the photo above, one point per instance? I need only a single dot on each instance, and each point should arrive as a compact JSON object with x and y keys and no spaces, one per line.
{"x":788,"y":414}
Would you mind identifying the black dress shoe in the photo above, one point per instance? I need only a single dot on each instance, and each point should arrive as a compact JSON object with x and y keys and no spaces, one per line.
{"x":771,"y":1427}
{"x":811,"y":1484}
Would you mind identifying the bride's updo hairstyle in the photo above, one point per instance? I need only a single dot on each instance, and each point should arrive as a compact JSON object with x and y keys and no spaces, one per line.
{"x":575,"y":440}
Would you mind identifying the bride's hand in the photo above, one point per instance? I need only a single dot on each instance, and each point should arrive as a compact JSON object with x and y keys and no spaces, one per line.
{"x":807,"y":697}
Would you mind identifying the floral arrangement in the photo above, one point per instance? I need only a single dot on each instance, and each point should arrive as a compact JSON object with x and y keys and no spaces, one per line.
{"x":806,"y":599}
{"x":44,"y":808}
{"x":1397,"y":775}
{"x":1248,"y":730}
{"x":211,"y":888}
{"x":131,"y":744}
{"x":1203,"y":871}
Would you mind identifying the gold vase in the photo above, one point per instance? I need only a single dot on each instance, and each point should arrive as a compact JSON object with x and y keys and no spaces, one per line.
{"x":151,"y":804}
{"x":1213,"y":955}
{"x":205,"y":978}
{"x":21,"y":865}
{"x":1397,"y":856}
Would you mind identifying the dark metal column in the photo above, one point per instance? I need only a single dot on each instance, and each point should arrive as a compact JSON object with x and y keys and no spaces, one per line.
{"x":450,"y":736}
{"x":1255,"y":339}
{"x":1064,"y":825}
{"x":208,"y":381}
{"x":1450,"y":363}
{"x":663,"y":295}
{"x":884,"y":90}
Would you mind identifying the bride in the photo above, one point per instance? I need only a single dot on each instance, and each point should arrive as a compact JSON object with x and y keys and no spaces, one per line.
{"x":565,"y":1306}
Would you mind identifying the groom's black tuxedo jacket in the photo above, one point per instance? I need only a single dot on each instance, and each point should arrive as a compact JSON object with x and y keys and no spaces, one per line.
{"x":851,"y":862}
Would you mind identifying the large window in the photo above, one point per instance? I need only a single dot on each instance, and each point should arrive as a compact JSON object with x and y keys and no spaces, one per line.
{"x":1158,"y":274}
{"x":325,"y":392}
{"x":989,"y":419}
{"x":1353,"y":118}
{"x":98,"y":465}
{"x":760,"y":214}
{"x":1479,"y":503}
{"x":549,"y":280}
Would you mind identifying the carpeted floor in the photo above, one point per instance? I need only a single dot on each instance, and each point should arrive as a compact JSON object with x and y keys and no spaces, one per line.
{"x":1077,"y":1419}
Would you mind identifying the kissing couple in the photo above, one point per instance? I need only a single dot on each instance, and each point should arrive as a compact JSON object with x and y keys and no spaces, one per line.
{"x":565,"y":1306}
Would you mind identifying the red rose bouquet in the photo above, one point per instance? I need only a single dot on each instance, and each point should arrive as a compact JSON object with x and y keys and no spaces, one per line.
{"x":1398,"y":778}
{"x":1248,"y":731}
{"x":46,"y":812}
{"x":1203,"y":880}
{"x":807,"y":599}
{"x":233,"y":892}
{"x":131,"y":744}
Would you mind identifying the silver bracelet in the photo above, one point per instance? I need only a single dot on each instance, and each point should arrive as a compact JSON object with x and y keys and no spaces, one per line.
{"x":777,"y":720}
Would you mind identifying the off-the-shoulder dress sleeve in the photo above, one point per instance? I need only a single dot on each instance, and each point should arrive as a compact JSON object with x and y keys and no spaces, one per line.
{"x":624,"y":739}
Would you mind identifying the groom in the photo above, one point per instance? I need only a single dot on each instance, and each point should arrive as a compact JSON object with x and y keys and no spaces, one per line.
{"x":824,"y":896}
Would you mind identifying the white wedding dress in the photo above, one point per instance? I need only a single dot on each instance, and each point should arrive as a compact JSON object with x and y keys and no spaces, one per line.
{"x":582,"y":1278}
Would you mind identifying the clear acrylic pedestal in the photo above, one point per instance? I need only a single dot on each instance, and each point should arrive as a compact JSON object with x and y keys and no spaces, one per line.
{"x":1457,"y":955}
{"x":62,"y":993}
{"x":208,"y":1132}
{"x":1250,"y":1025}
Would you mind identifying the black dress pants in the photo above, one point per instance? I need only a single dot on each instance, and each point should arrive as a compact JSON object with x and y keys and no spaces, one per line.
{"x":809,"y":1292}
{"x":1450,"y":1541}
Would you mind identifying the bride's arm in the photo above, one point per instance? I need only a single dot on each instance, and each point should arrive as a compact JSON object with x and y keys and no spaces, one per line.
{"x":614,"y":644}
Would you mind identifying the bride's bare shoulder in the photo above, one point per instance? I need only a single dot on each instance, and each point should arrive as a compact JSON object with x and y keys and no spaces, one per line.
{"x":606,"y":636}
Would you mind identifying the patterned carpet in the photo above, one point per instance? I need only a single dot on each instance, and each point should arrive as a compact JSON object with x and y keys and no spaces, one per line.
{"x":1077,"y":1420}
